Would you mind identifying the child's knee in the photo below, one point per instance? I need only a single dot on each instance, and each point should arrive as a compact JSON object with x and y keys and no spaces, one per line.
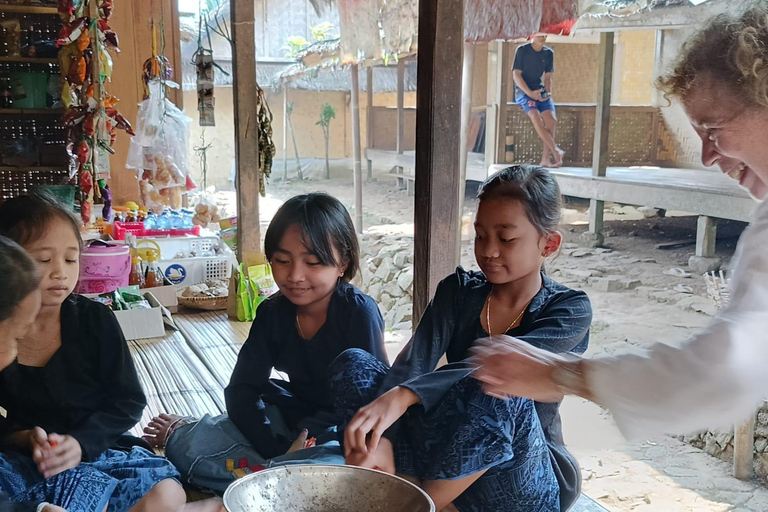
{"x":353,"y":360}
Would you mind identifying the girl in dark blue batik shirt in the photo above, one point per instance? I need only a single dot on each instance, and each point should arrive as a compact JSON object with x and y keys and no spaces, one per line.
{"x":436,"y":426}
{"x":313,"y":249}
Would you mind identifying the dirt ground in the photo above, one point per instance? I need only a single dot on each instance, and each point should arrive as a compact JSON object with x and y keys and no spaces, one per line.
{"x":661,"y":474}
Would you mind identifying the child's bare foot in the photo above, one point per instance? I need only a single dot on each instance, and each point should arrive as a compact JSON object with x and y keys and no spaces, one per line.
{"x":158,"y":430}
{"x":559,"y":158}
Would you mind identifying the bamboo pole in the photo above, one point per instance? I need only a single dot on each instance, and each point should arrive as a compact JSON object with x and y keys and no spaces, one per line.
{"x":358,"y":178}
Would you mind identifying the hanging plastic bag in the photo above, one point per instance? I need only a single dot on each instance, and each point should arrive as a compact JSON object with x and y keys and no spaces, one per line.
{"x":245,"y":309}
{"x":159,"y":150}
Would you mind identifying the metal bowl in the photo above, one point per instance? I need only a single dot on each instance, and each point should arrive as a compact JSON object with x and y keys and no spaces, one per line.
{"x":321,"y":488}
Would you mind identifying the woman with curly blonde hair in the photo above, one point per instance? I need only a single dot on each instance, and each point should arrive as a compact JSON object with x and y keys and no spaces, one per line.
{"x":721,"y":79}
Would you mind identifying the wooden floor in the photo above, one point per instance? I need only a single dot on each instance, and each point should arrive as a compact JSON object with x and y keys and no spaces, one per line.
{"x":186,"y":371}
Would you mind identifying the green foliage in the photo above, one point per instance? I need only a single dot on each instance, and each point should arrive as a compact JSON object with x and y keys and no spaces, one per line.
{"x":326,"y":114}
{"x":323,"y":31}
{"x":294,"y":46}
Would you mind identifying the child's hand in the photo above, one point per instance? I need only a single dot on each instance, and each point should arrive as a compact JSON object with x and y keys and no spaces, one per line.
{"x":37,"y":440}
{"x":382,"y":458}
{"x":64,"y":453}
{"x":375,"y":418}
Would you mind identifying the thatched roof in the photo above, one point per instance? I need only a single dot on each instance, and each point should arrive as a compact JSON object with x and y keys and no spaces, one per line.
{"x":611,"y":15}
{"x":272,"y":74}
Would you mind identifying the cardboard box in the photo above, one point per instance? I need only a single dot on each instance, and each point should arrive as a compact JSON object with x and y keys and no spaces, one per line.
{"x":165,"y":295}
{"x":142,"y":323}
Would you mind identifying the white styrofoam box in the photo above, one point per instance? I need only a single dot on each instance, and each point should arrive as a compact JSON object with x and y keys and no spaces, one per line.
{"x":187,"y":271}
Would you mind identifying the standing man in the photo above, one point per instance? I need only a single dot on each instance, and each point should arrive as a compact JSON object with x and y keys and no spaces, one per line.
{"x":532,"y":72}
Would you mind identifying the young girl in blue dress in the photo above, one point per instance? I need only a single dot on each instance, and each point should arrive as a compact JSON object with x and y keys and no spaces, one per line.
{"x":467,"y":450}
{"x":72,"y":393}
{"x":313,"y":250}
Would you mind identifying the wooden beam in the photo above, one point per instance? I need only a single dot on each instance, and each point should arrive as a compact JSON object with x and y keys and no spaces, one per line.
{"x":467,"y":79}
{"x":356,"y":149}
{"x":400,"y":106}
{"x":743,"y":449}
{"x":285,"y":131}
{"x":493,"y":101}
{"x":603,"y":112}
{"x":505,"y":73}
{"x":369,"y":118}
{"x":602,"y":127}
{"x":246,"y":128}
{"x":400,"y":136}
{"x":436,"y":215}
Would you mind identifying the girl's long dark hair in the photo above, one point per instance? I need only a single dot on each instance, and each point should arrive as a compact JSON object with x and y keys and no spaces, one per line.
{"x":325,"y":224}
{"x":534,"y":187}
{"x":18,"y":276}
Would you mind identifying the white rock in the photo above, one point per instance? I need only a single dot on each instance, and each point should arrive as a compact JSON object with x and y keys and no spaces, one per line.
{"x":401,"y":259}
{"x":375,"y":291}
{"x":385,"y":269}
{"x":403,"y":314}
{"x":405,"y":281}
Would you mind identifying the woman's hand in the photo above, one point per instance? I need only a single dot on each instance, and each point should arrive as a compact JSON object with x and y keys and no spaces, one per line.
{"x":510,"y":367}
{"x":61,"y":454}
{"x":375,"y":418}
{"x":53,"y":508}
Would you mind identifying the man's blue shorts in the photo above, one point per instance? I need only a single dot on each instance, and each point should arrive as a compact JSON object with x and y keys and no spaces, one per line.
{"x":529,"y":104}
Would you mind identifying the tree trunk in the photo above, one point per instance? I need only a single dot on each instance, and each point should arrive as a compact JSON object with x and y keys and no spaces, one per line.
{"x":327,"y":133}
{"x":295,"y":148}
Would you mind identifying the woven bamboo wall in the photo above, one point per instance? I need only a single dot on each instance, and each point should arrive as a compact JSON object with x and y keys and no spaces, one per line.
{"x":638,"y":136}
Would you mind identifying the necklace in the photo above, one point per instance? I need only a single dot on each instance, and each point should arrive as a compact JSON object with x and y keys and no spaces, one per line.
{"x":488,"y":314}
{"x":298,"y":326}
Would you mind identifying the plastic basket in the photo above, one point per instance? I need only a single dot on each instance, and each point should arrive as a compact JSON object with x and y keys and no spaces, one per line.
{"x":137,"y":230}
{"x":187,"y":271}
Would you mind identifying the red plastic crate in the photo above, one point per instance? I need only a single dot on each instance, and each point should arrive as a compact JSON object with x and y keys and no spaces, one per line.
{"x":137,"y":230}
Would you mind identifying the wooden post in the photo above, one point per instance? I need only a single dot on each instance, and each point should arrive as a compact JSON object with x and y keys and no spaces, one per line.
{"x":602,"y":126}
{"x":505,"y":73}
{"x":743,"y":449}
{"x":400,"y":114}
{"x":285,"y":131}
{"x":358,"y":179}
{"x":436,"y":215}
{"x":369,"y":119}
{"x":246,"y":136}
{"x":706,"y":236}
{"x":467,"y":79}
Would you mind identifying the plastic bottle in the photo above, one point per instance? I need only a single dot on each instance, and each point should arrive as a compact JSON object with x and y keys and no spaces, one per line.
{"x":136,"y":277}
{"x":154,"y":276}
{"x":176,"y":221}
{"x":186,"y":216}
{"x":150,"y":223}
{"x":163,"y":222}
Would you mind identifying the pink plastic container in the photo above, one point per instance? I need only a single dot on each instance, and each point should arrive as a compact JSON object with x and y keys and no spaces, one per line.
{"x":104,"y":268}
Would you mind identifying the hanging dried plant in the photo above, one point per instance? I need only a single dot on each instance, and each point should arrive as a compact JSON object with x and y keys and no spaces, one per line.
{"x":266,"y":145}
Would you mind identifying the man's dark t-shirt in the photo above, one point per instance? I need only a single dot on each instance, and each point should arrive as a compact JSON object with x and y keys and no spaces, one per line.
{"x":533,"y":64}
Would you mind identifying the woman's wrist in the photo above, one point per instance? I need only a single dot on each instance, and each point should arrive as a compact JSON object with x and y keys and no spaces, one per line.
{"x":407,"y":396}
{"x":570,"y":377}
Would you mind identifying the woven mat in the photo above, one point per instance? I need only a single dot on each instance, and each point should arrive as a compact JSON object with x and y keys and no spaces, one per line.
{"x":186,"y":371}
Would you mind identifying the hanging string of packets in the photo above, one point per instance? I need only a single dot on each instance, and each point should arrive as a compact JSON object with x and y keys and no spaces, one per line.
{"x":91,"y":120}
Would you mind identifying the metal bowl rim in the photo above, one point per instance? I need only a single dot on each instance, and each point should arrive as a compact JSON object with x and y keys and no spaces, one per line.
{"x":252,"y":476}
